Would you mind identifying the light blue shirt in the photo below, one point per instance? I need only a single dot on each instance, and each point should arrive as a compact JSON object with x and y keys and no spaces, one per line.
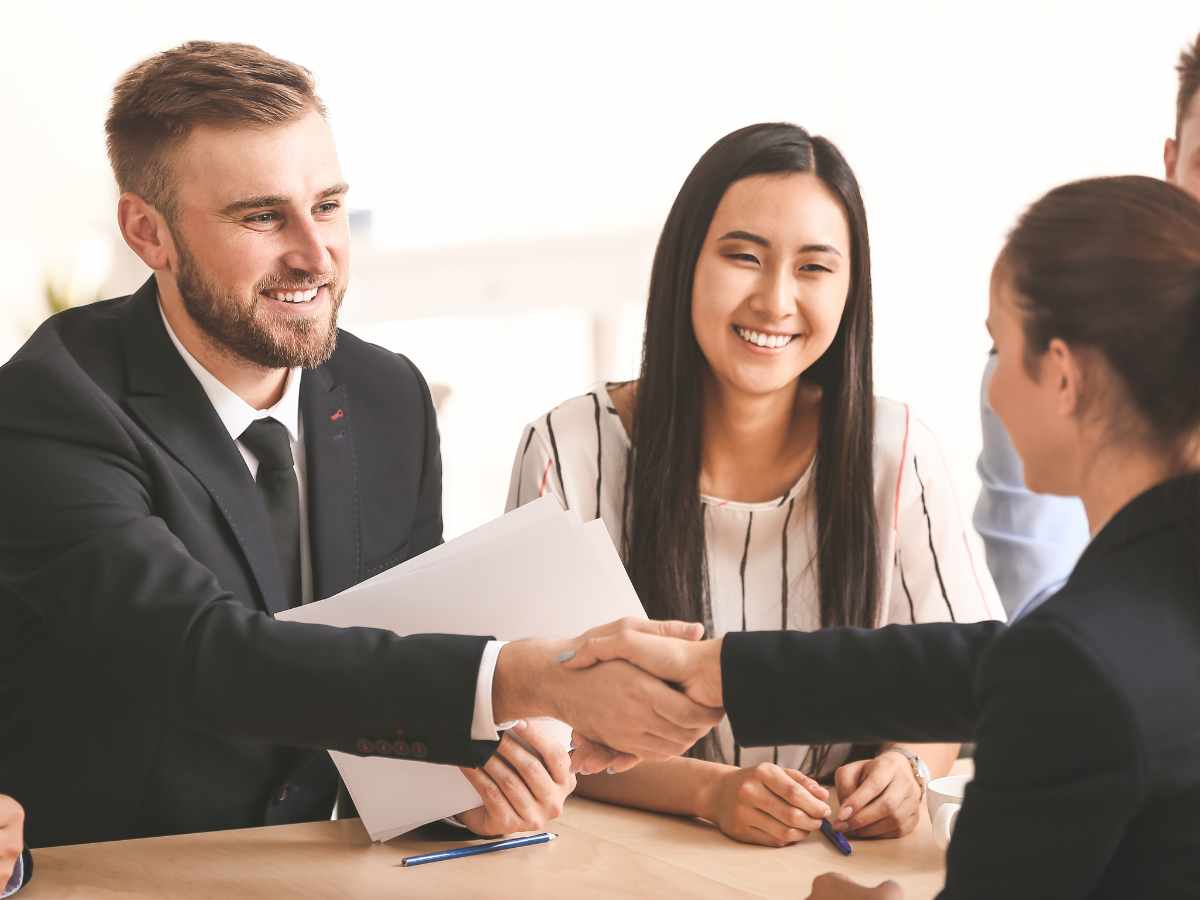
{"x":1032,"y":540}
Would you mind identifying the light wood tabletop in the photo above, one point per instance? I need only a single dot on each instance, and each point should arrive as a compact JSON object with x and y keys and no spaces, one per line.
{"x":602,"y":851}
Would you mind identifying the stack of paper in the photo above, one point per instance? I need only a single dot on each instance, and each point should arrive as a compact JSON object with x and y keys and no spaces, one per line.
{"x":536,"y":572}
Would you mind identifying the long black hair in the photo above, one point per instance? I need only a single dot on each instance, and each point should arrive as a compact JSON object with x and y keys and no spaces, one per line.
{"x":664,"y":528}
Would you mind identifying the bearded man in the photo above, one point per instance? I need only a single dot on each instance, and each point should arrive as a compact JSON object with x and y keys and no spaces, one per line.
{"x":178,"y":465}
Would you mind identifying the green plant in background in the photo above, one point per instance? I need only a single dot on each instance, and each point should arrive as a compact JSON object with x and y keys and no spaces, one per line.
{"x":58,"y":301}
{"x":78,"y":276}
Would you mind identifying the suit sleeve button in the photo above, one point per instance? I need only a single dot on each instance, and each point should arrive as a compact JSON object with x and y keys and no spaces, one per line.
{"x":365,"y":746}
{"x":418,"y":750}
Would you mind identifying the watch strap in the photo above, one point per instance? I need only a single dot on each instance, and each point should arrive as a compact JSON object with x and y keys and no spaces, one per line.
{"x":919,"y":769}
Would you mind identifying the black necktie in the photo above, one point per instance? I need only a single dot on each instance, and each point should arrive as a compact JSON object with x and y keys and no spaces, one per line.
{"x":269,"y":441}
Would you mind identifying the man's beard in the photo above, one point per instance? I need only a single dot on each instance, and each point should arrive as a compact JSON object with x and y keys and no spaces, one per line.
{"x":237,"y":325}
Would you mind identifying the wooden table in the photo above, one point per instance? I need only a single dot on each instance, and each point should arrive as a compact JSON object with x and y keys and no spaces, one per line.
{"x":602,"y":851}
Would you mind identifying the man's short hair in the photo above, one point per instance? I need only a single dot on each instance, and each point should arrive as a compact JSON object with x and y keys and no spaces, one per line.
{"x":1189,"y":82}
{"x":159,"y":101}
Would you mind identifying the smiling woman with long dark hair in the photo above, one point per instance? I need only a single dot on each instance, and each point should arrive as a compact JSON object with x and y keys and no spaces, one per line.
{"x":752,"y":480}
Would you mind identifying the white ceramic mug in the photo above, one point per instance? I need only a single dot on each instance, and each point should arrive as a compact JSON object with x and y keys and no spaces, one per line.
{"x":945,"y":797}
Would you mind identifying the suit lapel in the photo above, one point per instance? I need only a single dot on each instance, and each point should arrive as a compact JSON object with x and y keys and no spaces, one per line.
{"x":167,"y":400}
{"x":333,"y":516}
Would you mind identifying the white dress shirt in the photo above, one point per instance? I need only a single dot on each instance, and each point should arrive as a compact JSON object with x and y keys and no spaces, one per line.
{"x":237,"y":415}
{"x":760,"y":558}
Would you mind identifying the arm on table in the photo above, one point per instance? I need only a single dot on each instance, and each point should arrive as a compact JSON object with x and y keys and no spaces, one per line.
{"x":881,"y":797}
{"x":764,"y":804}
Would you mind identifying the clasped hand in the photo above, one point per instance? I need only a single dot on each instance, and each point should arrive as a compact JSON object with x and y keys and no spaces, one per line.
{"x":663,"y":686}
{"x":623,"y":712}
{"x":523,"y":786}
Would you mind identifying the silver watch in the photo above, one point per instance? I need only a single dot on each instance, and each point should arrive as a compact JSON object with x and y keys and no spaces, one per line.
{"x":919,"y":769}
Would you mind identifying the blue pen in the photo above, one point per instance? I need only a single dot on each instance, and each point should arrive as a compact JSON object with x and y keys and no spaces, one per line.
{"x":836,"y":838}
{"x":475,"y":849}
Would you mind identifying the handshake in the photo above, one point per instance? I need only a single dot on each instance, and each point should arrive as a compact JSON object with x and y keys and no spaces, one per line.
{"x":633,"y":690}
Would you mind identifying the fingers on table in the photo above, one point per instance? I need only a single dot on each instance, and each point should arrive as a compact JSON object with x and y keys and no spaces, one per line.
{"x":792,"y":793}
{"x":893,"y":812}
{"x":762,"y":828}
{"x":875,"y":780}
{"x":847,"y":778}
{"x":813,"y":786}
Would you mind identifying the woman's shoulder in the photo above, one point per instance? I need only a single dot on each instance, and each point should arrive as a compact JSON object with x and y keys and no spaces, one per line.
{"x":581,"y":417}
{"x":1052,"y":708}
{"x":1120,"y":601}
{"x":577,"y":450}
{"x":900,"y":434}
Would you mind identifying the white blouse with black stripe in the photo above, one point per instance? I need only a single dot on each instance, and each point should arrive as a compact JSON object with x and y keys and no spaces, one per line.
{"x":762,"y":556}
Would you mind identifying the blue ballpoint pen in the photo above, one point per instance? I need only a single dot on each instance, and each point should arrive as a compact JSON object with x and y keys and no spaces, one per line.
{"x":475,"y":849}
{"x":836,"y":838}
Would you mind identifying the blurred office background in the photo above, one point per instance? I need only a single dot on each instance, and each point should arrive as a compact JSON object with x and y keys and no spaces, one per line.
{"x":511,"y":165}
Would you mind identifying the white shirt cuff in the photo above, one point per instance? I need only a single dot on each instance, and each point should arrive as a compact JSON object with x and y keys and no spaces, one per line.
{"x":16,"y":880}
{"x":483,"y":722}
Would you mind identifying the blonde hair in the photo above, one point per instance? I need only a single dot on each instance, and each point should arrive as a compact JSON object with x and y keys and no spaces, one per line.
{"x":159,"y":101}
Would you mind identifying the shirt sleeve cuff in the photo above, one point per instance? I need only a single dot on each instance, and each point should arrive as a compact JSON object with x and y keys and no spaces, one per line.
{"x":17,"y":879}
{"x":483,"y":724}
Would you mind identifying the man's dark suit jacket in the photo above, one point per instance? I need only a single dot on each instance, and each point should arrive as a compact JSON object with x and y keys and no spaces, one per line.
{"x":145,"y":688}
{"x":1086,"y":713}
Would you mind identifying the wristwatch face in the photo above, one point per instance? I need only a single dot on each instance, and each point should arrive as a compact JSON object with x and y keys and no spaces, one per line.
{"x":922,"y":770}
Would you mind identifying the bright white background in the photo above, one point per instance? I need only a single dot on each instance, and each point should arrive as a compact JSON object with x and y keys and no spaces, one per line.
{"x":519,"y":158}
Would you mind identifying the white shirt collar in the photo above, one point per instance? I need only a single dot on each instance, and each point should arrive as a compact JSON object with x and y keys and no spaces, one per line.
{"x":234,"y":412}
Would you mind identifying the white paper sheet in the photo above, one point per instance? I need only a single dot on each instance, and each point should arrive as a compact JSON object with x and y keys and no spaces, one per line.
{"x":540,"y":511}
{"x":536,"y":572}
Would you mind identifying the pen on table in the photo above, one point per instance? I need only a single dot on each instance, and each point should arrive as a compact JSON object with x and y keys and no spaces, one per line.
{"x":836,"y":838}
{"x":476,"y":849}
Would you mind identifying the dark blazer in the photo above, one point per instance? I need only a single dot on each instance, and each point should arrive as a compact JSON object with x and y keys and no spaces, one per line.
{"x":146,"y":688}
{"x":1086,"y":713}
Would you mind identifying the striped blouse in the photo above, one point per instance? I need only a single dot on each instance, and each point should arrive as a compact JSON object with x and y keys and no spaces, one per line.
{"x":761,"y":557}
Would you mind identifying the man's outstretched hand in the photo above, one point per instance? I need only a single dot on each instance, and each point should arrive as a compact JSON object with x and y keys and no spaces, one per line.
{"x":693,"y":665}
{"x":621,"y":713}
